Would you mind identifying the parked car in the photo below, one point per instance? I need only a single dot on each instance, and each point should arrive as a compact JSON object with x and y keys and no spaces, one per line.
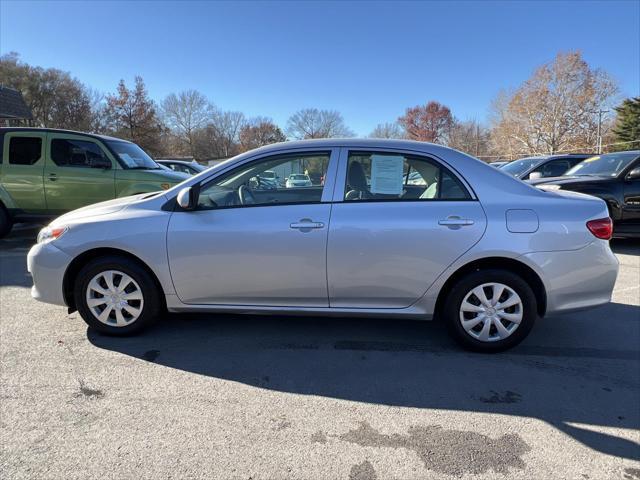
{"x":190,"y":168}
{"x":542,"y":167}
{"x":498,"y":164}
{"x":483,"y":250}
{"x":615,"y":178}
{"x":46,"y":172}
{"x":298,"y":180}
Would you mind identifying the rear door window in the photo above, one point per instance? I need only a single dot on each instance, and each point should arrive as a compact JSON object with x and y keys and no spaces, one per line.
{"x":381,"y":176}
{"x":25,"y":150}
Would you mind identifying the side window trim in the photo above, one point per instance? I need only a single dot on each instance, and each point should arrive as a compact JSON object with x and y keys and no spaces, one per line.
{"x":341,"y":176}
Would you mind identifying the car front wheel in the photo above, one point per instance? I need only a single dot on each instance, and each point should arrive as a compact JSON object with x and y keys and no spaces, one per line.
{"x":117,"y":296}
{"x":490,"y":310}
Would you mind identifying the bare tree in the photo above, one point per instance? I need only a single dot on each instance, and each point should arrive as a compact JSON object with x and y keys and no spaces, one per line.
{"x":470,"y":137}
{"x":388,"y":130}
{"x":258,"y":132}
{"x":132,"y":115}
{"x":556,"y":110}
{"x":184,"y":114}
{"x":314,"y":123}
{"x":427,"y":123}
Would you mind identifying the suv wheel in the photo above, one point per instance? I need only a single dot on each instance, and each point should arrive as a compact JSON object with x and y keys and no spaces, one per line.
{"x":116,"y":296}
{"x":490,"y":310}
{"x":5,"y":222}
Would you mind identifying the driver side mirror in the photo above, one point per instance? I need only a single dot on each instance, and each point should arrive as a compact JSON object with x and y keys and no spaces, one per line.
{"x":187,"y":198}
{"x":634,"y":174}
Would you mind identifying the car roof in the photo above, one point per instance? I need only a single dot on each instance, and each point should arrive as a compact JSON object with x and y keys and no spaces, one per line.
{"x":167,"y":160}
{"x":60,"y":130}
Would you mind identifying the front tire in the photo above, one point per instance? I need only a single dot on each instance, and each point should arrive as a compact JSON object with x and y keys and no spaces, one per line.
{"x":490,"y":310}
{"x":117,"y":296}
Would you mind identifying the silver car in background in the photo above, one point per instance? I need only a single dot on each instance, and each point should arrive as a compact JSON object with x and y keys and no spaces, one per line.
{"x":467,"y":243}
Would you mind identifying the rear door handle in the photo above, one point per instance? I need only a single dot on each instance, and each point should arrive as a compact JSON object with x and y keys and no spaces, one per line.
{"x":454,"y":221}
{"x":53,"y":177}
{"x":306,"y":224}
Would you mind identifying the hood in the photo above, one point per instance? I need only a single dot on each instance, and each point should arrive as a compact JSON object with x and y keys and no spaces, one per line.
{"x":102,"y":208}
{"x":166,"y":175}
{"x":567,"y":180}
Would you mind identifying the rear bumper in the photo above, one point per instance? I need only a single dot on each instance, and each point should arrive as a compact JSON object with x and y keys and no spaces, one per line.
{"x":577,"y":279}
{"x":47,"y":265}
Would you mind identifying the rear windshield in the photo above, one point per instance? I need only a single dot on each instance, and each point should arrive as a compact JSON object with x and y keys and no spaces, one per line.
{"x":298,"y":177}
{"x":132,"y":156}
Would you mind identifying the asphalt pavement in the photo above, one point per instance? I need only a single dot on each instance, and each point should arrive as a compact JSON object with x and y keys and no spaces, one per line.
{"x":270,"y":397}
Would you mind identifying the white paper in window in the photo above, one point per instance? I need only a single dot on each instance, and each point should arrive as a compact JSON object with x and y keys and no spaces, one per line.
{"x":386,"y":174}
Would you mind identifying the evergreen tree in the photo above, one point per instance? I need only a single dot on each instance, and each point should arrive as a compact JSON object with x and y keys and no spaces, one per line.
{"x":627,"y":128}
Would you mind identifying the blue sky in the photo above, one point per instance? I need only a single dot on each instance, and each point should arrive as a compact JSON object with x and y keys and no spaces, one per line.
{"x":369,"y":60}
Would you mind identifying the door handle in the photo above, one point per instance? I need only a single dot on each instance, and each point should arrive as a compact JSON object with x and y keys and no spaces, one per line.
{"x":455,"y":221}
{"x":53,"y":177}
{"x":306,"y":224}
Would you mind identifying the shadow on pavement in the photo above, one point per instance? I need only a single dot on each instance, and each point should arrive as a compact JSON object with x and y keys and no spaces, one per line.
{"x":413,"y":364}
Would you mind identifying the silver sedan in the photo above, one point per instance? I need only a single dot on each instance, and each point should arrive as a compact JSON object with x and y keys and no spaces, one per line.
{"x":467,"y":243}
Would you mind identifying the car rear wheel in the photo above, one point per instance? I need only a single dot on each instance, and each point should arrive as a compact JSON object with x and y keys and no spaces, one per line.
{"x":490,"y":310}
{"x":117,"y":296}
{"x":5,"y":222}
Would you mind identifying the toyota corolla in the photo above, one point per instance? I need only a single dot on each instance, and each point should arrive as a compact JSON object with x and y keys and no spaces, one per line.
{"x":467,"y":243}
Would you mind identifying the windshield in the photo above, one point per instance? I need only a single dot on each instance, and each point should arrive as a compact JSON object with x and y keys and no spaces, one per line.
{"x":268,"y":174}
{"x":609,"y":165}
{"x":518,"y":167}
{"x":298,"y":177}
{"x":132,"y":156}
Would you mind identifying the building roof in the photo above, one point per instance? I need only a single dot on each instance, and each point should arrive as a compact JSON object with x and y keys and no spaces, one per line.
{"x":12,"y":105}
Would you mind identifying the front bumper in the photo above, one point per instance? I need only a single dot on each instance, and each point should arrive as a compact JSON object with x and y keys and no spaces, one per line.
{"x":47,"y":265}
{"x":577,"y":279}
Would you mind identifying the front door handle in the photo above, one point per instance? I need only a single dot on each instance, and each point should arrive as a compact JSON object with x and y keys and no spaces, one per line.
{"x":455,"y":221}
{"x":306,"y":224}
{"x":53,"y":177}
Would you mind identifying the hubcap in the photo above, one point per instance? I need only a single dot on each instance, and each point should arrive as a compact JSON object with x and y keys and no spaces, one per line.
{"x":491,"y":312}
{"x":114,"y":298}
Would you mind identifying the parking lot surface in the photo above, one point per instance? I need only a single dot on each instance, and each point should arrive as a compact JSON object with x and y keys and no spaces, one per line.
{"x":221,"y":396}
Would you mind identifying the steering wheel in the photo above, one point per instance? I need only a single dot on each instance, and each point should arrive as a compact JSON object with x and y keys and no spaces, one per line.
{"x":245,"y":195}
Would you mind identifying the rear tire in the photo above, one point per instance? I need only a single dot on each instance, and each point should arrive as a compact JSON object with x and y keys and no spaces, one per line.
{"x":117,"y":296}
{"x":490,"y":310}
{"x":6,"y":224}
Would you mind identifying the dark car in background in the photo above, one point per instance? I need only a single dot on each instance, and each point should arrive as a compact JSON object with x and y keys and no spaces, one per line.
{"x":182,"y":166}
{"x":615,"y":178}
{"x":531,"y":168}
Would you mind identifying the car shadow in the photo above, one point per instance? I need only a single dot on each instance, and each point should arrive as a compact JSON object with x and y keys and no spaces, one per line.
{"x":625,"y":246}
{"x":569,"y":382}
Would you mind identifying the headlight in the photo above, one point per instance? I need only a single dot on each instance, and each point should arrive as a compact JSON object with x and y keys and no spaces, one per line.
{"x":549,"y":187}
{"x":48,"y":234}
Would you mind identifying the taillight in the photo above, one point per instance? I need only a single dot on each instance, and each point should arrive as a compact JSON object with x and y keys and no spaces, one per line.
{"x":601,"y":228}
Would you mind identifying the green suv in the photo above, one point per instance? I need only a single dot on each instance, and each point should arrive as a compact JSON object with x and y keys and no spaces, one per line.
{"x":46,"y":172}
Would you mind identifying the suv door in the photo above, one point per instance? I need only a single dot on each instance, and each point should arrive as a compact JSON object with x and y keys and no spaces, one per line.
{"x":78,"y":172}
{"x":248,"y":243}
{"x":22,"y":169}
{"x":398,"y":221}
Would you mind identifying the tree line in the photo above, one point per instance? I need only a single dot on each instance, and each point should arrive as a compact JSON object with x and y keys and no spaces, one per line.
{"x":562,"y":107}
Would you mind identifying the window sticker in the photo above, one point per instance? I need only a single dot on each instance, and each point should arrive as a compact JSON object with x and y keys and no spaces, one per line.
{"x":386,"y":174}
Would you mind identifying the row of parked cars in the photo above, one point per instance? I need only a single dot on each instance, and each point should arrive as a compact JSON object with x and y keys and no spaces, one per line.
{"x":614,"y":177}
